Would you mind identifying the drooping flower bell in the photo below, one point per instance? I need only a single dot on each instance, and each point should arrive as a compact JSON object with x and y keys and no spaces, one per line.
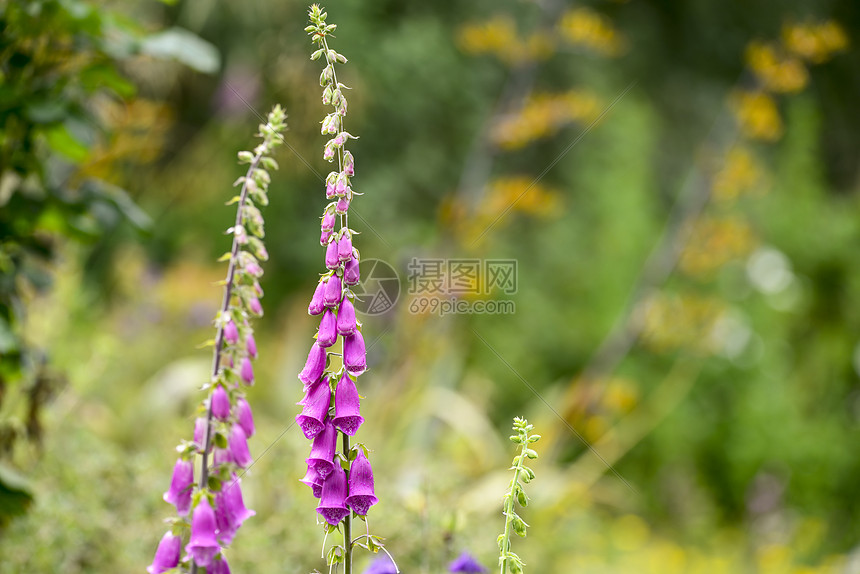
{"x":315,"y":409}
{"x":332,"y":505}
{"x":347,"y":417}
{"x":327,"y":334}
{"x":328,"y":220}
{"x":313,"y":480}
{"x":167,"y":554}
{"x":344,"y":247}
{"x":466,"y":564}
{"x":203,"y":545}
{"x":220,"y":403}
{"x":342,"y":205}
{"x":219,"y":566}
{"x":200,"y":433}
{"x":255,"y":307}
{"x":314,"y":366}
{"x":317,"y":305}
{"x":238,"y":446}
{"x":351,"y":272}
{"x":331,"y":259}
{"x":382,"y":565}
{"x":251,"y":346}
{"x":322,"y":450}
{"x":245,"y":417}
{"x":332,"y":294}
{"x":348,"y":163}
{"x":325,"y":236}
{"x":246,"y":371}
{"x":231,"y":332}
{"x":354,"y":355}
{"x":231,"y":511}
{"x":346,"y":323}
{"x":179,"y":493}
{"x":361,"y":496}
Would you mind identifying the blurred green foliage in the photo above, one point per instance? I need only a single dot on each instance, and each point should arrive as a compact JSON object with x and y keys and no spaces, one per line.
{"x":733,"y":411}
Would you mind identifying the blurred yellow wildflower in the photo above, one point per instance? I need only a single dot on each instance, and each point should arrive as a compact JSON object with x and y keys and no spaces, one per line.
{"x":499,"y":37}
{"x":814,"y":42}
{"x":714,"y":242}
{"x":673,"y":322}
{"x":757,"y":115}
{"x":543,"y":115}
{"x":740,"y":174}
{"x":776,"y":71}
{"x":586,"y":28}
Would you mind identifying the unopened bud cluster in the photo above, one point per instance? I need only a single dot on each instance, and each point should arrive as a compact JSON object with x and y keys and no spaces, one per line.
{"x":225,"y":422}
{"x":330,"y":407}
{"x":508,"y":560}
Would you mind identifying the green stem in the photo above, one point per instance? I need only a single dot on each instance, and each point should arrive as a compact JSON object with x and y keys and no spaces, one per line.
{"x":509,"y":503}
{"x":347,"y":522}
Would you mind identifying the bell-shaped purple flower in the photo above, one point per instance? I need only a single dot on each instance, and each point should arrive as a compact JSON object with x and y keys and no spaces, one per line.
{"x":332,"y":504}
{"x":167,"y":554}
{"x":219,"y":566}
{"x":231,"y":332}
{"x":466,"y":563}
{"x":342,"y":205}
{"x":220,"y":403}
{"x":245,"y":417}
{"x":327,"y":334}
{"x":316,"y":305}
{"x":329,"y":184}
{"x":221,"y":456}
{"x":332,"y":292}
{"x":246,"y":371}
{"x":203,"y":545}
{"x":325,"y":236}
{"x":251,"y":346}
{"x":346,"y":323}
{"x":348,"y":163}
{"x":314,"y":366}
{"x":313,"y":480}
{"x":237,"y":444}
{"x":340,"y":185}
{"x":344,"y":247}
{"x":315,"y":409}
{"x":331,"y":260}
{"x":351,"y":272}
{"x":179,"y":493}
{"x":346,"y":407}
{"x":361,"y":496}
{"x":230,"y":510}
{"x":322,"y":451}
{"x":382,"y":565}
{"x":354,"y":356}
{"x":255,"y":307}
{"x":328,"y":221}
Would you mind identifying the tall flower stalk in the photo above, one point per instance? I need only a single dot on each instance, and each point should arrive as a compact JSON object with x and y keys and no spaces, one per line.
{"x":516,"y":494}
{"x":339,"y":474}
{"x":225,"y":420}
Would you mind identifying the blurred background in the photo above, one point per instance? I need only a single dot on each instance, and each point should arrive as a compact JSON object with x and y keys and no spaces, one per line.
{"x":677,"y":184}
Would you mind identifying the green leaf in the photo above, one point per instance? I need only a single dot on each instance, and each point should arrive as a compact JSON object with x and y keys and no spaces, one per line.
{"x":15,"y":494}
{"x":64,"y":143}
{"x":185,"y":47}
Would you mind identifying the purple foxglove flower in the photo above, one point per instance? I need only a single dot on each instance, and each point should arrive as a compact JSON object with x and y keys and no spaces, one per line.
{"x":221,"y":456}
{"x":314,"y":410}
{"x":329,"y":185}
{"x":316,"y":305}
{"x":246,"y":371}
{"x":200,"y":433}
{"x":167,"y":554}
{"x":333,"y":290}
{"x":231,"y":332}
{"x":467,"y":564}
{"x":342,"y":205}
{"x":245,"y":416}
{"x":203,"y":545}
{"x":313,"y":479}
{"x":332,"y":506}
{"x":331,"y":260}
{"x":231,"y":511}
{"x":340,"y":185}
{"x":237,"y":444}
{"x":322,"y":451}
{"x":348,"y":164}
{"x":344,"y":247}
{"x":220,"y":566}
{"x":351,"y":273}
{"x":327,"y":334}
{"x":220,"y":403}
{"x":346,"y":407}
{"x":382,"y":565}
{"x":325,"y":236}
{"x":253,"y":268}
{"x":255,"y":307}
{"x":251,"y":346}
{"x":328,"y":153}
{"x":346,"y":324}
{"x":179,"y":493}
{"x":328,"y":221}
{"x":257,"y":289}
{"x":314,"y":366}
{"x":354,"y":356}
{"x":361,"y":496}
